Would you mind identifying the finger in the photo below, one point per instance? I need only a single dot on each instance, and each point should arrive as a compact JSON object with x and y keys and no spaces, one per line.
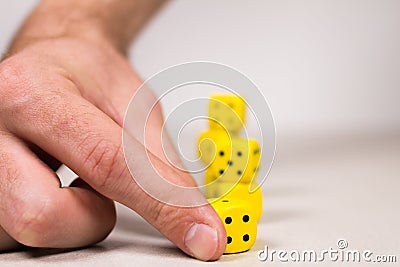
{"x":154,"y":136}
{"x":157,"y":140}
{"x":89,"y":142}
{"x":36,"y":212}
{"x":113,"y":99}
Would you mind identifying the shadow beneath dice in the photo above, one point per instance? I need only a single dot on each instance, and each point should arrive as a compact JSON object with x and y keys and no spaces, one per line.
{"x":274,"y":216}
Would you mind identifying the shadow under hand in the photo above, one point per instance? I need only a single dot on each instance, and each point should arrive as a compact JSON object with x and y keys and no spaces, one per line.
{"x":135,"y":224}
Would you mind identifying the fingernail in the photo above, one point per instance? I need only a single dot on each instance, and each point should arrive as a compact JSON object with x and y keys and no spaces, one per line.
{"x":202,"y":241}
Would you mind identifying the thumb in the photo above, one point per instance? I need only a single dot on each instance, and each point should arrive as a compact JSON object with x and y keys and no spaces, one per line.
{"x":90,"y":143}
{"x":196,"y":230}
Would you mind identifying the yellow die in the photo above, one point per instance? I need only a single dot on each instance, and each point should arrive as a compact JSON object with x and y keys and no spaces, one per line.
{"x":238,"y":191}
{"x":239,"y":222}
{"x":236,"y":160}
{"x":210,"y":177}
{"x":210,"y":189}
{"x":207,"y":142}
{"x":226,"y":112}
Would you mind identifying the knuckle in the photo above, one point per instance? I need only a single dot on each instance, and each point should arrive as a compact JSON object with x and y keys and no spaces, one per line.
{"x":105,"y":163}
{"x":33,"y":222}
{"x":12,"y":75}
{"x":170,"y":220}
{"x":16,"y":88}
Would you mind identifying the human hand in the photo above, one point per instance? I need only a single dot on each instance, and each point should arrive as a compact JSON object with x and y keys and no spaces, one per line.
{"x":63,"y":101}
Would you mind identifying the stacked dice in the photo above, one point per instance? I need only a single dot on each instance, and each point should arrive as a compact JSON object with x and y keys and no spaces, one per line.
{"x":232,"y":165}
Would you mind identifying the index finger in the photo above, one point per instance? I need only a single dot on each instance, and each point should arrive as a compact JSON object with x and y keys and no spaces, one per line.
{"x":75,"y":132}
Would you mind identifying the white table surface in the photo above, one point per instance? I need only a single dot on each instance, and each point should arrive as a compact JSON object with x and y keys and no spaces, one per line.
{"x":331,"y":73}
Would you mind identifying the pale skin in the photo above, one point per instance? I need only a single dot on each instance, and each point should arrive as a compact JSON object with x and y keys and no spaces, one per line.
{"x":64,"y":87}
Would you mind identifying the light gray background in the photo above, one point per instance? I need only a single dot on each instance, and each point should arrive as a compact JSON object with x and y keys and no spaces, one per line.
{"x":331,"y":73}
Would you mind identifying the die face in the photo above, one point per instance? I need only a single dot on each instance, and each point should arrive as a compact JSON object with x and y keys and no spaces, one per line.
{"x":236,"y":160}
{"x":226,"y":111}
{"x":239,"y":191}
{"x":239,"y":222}
{"x":210,"y":190}
{"x":207,"y":145}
